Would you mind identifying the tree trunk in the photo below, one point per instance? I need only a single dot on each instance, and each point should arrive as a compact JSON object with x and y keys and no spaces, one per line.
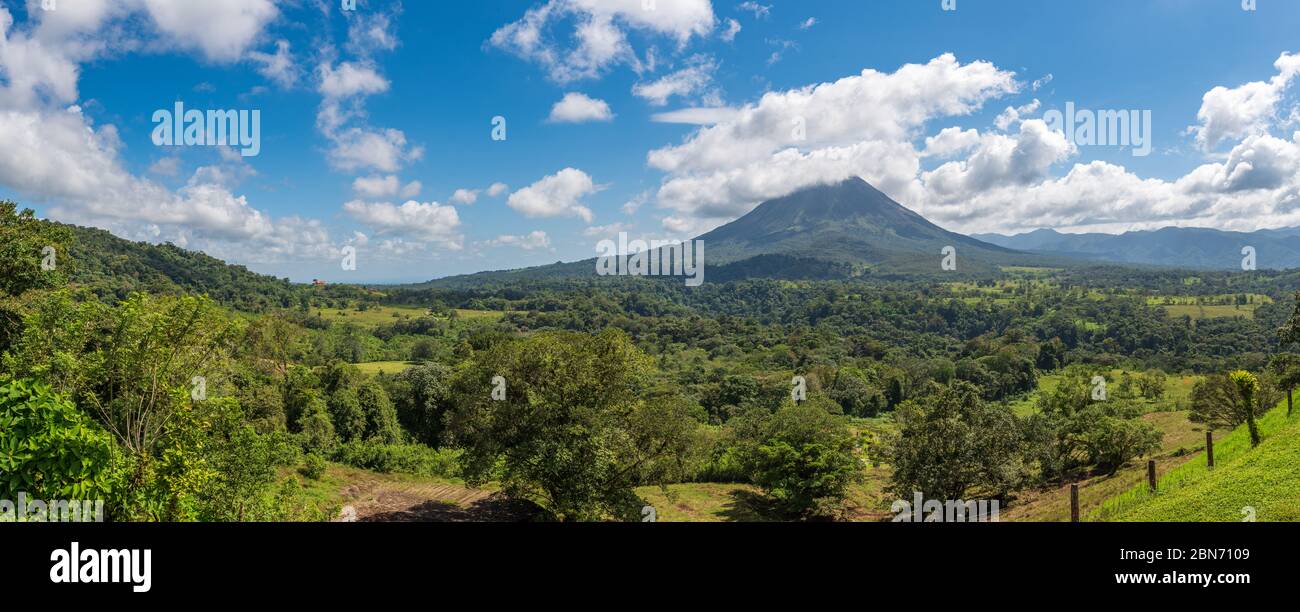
{"x":1288,"y":403}
{"x":1253,"y":427}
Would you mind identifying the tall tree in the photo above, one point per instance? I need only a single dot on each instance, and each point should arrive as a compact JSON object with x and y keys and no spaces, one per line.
{"x":558,"y":419}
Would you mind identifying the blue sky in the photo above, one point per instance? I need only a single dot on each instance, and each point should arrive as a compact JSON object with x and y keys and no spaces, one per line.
{"x":365,"y":111}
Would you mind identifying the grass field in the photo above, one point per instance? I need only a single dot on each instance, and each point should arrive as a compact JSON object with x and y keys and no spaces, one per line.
{"x":1209,"y":306}
{"x":372,"y":317}
{"x":385,"y":367}
{"x":1228,"y":448}
{"x":1262,"y":484}
{"x":383,"y":315}
{"x":1178,"y":392}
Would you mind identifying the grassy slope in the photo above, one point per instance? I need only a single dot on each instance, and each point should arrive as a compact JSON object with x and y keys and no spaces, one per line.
{"x":1266,"y":478}
{"x":1182,"y":439}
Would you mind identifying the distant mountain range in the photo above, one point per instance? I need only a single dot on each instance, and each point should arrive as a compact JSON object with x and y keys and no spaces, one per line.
{"x":1177,"y":247}
{"x":843,"y":230}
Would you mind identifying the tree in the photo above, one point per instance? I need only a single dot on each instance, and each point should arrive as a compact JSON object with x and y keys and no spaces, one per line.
{"x":1071,"y":431}
{"x":422,"y":396}
{"x":25,"y":244}
{"x":347,"y":414}
{"x":138,"y":368}
{"x":381,"y":417}
{"x":802,"y":456}
{"x":1286,"y":369}
{"x":952,"y":443}
{"x":1236,"y":398}
{"x":571,"y":432}
{"x":129,"y":364}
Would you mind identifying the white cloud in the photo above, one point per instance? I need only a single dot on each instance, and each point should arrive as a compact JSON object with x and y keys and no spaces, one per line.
{"x":808,"y":23}
{"x":578,"y":108}
{"x":559,"y":194}
{"x":166,"y":166}
{"x":377,"y":187}
{"x":1232,"y":114}
{"x":350,"y":79}
{"x":279,"y":67}
{"x":599,"y":39}
{"x":223,"y":31}
{"x":1001,"y":160}
{"x":697,"y":116}
{"x":1015,"y":114}
{"x":950,"y":141}
{"x":729,"y":34}
{"x":358,"y":147}
{"x":369,"y":32}
{"x":819,"y":133}
{"x":631,"y":206}
{"x":611,"y":230}
{"x":529,"y":242}
{"x":384,"y":150}
{"x":692,"y":79}
{"x":760,"y":11}
{"x":464,"y":196}
{"x":496,"y":189}
{"x":427,"y":222}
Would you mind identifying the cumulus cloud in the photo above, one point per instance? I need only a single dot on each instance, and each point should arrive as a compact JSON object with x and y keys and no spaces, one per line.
{"x":599,"y":40}
{"x":57,"y":156}
{"x":223,"y":31}
{"x":819,"y":133}
{"x":423,"y":222}
{"x":950,"y":141}
{"x":1001,"y":160}
{"x":557,"y":195}
{"x":693,"y":79}
{"x":529,"y":242}
{"x":579,"y":108}
{"x":697,"y":116}
{"x":1232,"y":114}
{"x":496,"y":189}
{"x":464,"y":196}
{"x":379,"y":186}
{"x":358,"y":147}
{"x":279,"y":67}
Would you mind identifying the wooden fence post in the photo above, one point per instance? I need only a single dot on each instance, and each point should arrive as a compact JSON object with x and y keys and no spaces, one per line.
{"x":1209,"y":447}
{"x":1151,"y":474}
{"x":1074,"y":503}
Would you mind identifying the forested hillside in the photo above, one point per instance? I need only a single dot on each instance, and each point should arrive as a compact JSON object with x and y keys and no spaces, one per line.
{"x":585,"y":398}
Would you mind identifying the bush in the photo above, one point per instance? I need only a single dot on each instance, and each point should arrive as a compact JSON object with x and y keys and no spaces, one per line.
{"x":802,"y":456}
{"x":415,"y":459}
{"x":49,"y":449}
{"x":313,"y":467}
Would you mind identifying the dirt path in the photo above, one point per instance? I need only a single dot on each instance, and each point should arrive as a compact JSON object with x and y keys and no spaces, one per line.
{"x":376,"y":499}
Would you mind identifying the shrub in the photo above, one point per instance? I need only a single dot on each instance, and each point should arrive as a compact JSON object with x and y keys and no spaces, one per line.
{"x":415,"y":459}
{"x":313,"y":466}
{"x":49,"y":449}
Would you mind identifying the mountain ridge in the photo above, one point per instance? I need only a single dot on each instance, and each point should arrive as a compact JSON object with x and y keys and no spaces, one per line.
{"x":1177,"y":247}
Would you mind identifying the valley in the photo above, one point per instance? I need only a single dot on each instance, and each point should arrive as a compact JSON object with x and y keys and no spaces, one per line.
{"x":463,"y":399}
